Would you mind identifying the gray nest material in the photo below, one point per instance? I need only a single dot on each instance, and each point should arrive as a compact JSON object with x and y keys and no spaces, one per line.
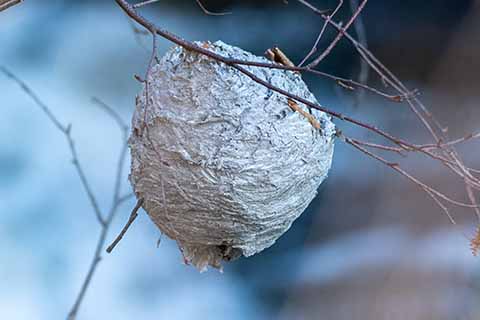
{"x":223,"y":164}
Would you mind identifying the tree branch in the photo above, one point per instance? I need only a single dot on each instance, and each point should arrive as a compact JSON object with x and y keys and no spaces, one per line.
{"x":104,"y":222}
{"x":66,"y":131}
{"x":444,"y":152}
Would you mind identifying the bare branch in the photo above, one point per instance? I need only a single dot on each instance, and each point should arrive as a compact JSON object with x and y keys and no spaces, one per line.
{"x":362,"y":39}
{"x":236,"y":64}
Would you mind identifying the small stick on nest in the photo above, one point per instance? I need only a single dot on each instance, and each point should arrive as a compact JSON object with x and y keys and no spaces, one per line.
{"x":475,"y":243}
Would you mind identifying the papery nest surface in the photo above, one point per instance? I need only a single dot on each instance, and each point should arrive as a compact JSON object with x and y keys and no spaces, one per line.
{"x":224,"y":164}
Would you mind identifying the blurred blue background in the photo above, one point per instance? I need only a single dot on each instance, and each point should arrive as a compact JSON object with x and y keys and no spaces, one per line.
{"x":370,"y":246}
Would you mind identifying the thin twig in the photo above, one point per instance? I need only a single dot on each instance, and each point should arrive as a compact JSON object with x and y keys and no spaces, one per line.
{"x":339,"y":36}
{"x":320,"y":34}
{"x":451,"y":143}
{"x":210,"y":13}
{"x":116,"y":202}
{"x":362,"y":39}
{"x":66,"y":130}
{"x":144,"y":3}
{"x":121,"y":124}
{"x":395,"y":166}
{"x":438,"y":132}
{"x":379,"y":146}
{"x":5,"y":4}
{"x":132,"y":218}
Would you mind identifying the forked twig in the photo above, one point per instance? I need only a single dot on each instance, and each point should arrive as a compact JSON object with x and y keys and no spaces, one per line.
{"x":449,"y":156}
{"x":66,"y":130}
{"x":116,"y":202}
{"x":320,"y":35}
{"x":104,"y":221}
{"x":339,"y":36}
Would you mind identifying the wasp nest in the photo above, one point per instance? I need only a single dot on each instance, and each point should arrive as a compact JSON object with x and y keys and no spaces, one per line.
{"x":224,"y":164}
